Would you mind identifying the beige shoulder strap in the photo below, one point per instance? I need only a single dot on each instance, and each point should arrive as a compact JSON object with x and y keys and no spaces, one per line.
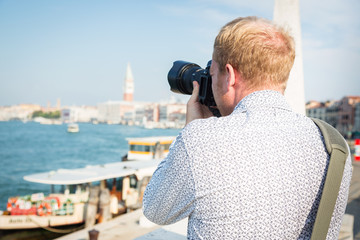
{"x":338,"y":150}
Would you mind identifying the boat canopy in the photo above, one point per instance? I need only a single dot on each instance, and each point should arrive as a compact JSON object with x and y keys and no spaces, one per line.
{"x":94,"y":173}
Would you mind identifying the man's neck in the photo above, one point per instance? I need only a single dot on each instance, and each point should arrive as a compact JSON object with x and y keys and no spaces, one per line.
{"x":246,"y":91}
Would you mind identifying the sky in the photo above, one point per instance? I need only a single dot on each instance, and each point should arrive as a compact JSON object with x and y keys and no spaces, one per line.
{"x":78,"y":50}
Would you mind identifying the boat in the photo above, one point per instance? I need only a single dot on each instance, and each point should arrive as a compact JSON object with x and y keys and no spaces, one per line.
{"x":73,"y":128}
{"x":148,"y":148}
{"x":76,"y":193}
{"x":125,"y":183}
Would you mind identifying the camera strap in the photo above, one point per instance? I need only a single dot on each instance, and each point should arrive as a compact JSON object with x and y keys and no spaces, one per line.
{"x":337,"y":148}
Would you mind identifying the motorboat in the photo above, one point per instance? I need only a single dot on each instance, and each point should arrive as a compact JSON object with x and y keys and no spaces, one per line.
{"x":73,"y":128}
{"x":148,"y":148}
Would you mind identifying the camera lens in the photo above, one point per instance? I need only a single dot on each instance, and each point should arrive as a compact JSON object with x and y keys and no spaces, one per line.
{"x":180,"y":76}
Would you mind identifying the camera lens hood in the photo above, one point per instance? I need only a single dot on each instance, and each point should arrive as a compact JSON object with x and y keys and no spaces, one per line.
{"x":180,"y":76}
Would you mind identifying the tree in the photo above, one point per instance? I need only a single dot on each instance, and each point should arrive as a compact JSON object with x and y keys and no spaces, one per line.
{"x":50,"y":115}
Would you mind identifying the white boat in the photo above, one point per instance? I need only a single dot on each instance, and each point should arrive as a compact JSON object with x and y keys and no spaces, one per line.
{"x":73,"y":128}
{"x":124,"y":182}
{"x":127,"y":179}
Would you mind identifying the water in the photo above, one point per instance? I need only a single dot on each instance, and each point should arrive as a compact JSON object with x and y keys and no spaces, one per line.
{"x":27,"y":148}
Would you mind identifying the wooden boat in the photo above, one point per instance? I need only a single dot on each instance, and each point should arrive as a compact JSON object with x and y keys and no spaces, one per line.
{"x":75,"y":193}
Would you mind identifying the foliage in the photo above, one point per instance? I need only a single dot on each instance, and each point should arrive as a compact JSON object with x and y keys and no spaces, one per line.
{"x":51,"y":115}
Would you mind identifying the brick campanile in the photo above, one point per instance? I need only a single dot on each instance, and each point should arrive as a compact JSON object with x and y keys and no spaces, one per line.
{"x":128,"y":85}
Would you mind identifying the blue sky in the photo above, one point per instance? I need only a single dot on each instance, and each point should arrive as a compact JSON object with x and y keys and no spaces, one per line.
{"x":77,"y":50}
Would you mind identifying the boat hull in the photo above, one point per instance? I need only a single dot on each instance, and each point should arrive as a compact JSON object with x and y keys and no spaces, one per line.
{"x":13,"y":222}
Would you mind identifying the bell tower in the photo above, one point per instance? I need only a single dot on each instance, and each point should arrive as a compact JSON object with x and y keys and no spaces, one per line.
{"x":128,"y":85}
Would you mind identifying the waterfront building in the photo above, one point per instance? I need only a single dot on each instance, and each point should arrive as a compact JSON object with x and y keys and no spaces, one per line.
{"x":148,"y":115}
{"x":21,"y":112}
{"x":112,"y":112}
{"x":144,"y":112}
{"x":357,"y":118}
{"x":346,"y":115}
{"x":173,"y":112}
{"x":332,"y":112}
{"x":316,"y":109}
{"x":131,"y":112}
{"x":66,"y":115}
{"x":79,"y":114}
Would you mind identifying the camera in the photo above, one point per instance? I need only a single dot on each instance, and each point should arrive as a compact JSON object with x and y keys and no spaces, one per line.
{"x":181,"y":77}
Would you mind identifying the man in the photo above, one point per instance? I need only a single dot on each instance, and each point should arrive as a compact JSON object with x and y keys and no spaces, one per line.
{"x":258,"y":171}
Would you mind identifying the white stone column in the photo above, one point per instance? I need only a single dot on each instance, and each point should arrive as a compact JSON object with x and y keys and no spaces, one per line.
{"x":287,"y":15}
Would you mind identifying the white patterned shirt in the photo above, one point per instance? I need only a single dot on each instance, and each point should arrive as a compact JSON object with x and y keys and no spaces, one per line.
{"x":255,"y":174}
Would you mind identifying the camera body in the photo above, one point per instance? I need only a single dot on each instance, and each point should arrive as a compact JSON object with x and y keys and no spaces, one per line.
{"x":181,"y":77}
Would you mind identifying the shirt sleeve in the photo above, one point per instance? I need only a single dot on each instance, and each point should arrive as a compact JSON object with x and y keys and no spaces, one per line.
{"x":170,"y":196}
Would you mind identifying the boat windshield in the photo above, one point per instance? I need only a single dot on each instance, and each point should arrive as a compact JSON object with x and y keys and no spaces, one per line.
{"x":142,"y":148}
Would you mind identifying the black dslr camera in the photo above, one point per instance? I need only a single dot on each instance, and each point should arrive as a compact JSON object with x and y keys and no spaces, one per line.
{"x":181,"y":77}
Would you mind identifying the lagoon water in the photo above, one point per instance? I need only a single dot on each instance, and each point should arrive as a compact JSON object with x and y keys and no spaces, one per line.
{"x":27,"y":148}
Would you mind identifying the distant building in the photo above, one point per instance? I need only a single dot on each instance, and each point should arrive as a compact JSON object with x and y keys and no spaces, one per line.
{"x":140,"y":113}
{"x":332,"y":113}
{"x":113,"y":112}
{"x":174,"y":112}
{"x":21,"y":112}
{"x":66,"y":115}
{"x":346,"y":114}
{"x":357,"y":118}
{"x":79,"y":114}
{"x":316,"y":109}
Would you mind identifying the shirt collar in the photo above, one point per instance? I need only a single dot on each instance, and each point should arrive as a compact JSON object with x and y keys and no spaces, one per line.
{"x":260,"y":99}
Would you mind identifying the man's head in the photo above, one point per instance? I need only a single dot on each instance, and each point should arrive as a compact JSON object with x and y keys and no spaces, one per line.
{"x":258,"y":52}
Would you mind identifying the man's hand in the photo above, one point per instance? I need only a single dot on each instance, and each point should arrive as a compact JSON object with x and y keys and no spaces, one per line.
{"x":194,"y":109}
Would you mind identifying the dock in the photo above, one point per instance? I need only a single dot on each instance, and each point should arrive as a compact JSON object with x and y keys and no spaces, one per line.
{"x":135,"y":226}
{"x":132,"y":225}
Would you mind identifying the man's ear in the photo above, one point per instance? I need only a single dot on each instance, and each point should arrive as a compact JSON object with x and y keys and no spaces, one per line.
{"x":230,"y":75}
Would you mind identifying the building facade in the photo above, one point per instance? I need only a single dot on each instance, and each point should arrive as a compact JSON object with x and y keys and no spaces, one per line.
{"x":316,"y":110}
{"x":344,"y":114}
{"x":79,"y":114}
